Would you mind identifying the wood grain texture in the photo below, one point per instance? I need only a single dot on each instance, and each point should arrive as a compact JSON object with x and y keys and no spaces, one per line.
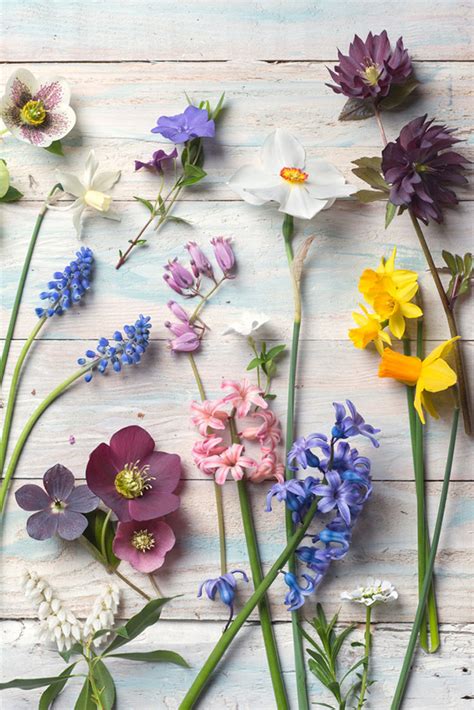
{"x":202,"y":29}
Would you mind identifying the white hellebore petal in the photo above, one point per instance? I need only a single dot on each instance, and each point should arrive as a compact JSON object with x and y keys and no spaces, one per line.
{"x":90,"y":190}
{"x":375,"y":592}
{"x":301,"y":188}
{"x":247,"y":323}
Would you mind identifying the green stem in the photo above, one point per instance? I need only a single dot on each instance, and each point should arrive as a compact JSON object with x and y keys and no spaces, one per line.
{"x":405,"y":672}
{"x":21,"y":283}
{"x":365,"y":672}
{"x":228,"y":636}
{"x":96,"y":693}
{"x":13,"y":390}
{"x":30,"y":424}
{"x":132,"y":585}
{"x":257,"y":576}
{"x":300,"y":670}
{"x":155,"y":586}
{"x":205,"y":299}
{"x":103,"y":533}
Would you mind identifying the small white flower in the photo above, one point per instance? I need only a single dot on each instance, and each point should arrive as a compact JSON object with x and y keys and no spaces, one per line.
{"x":89,"y":191}
{"x":247,"y":323}
{"x":102,"y":614}
{"x":301,"y":188}
{"x":375,"y":592}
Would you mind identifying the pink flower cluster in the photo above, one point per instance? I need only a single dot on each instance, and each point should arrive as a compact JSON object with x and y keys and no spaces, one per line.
{"x":211,"y":454}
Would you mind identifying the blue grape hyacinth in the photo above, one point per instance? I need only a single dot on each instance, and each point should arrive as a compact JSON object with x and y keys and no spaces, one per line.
{"x":67,"y":287}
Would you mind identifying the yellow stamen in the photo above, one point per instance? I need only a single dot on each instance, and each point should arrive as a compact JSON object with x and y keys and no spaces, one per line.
{"x":143,"y":540}
{"x":294,"y":176}
{"x":33,"y":113}
{"x":132,"y":481}
{"x":371,"y":74}
{"x":404,"y":368}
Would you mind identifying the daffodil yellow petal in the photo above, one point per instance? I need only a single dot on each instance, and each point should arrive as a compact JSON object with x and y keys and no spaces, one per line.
{"x":359,"y":318}
{"x":427,"y":403}
{"x":418,"y":402}
{"x":437,"y":376}
{"x":388,"y":266}
{"x":402,"y":277}
{"x":379,"y":344}
{"x":396,"y":324}
{"x":440,"y":351}
{"x":411,"y":310}
{"x":406,"y":293}
{"x":385,"y":337}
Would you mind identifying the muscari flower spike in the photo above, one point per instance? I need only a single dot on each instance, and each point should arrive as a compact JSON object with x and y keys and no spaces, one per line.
{"x":224,"y":585}
{"x":123,"y":350}
{"x":68,"y":286}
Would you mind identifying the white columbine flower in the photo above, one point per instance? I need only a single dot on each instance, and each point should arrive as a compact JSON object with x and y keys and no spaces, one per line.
{"x":247,"y":323}
{"x":301,"y":188}
{"x":57,"y":623}
{"x":89,"y":191}
{"x":375,"y":592}
{"x":102,"y":614}
{"x":34,"y":111}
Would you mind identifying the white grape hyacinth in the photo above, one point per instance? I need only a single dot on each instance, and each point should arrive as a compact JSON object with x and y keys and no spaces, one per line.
{"x":376,"y":591}
{"x":102,"y":614}
{"x":246,"y":323}
{"x":57,"y":623}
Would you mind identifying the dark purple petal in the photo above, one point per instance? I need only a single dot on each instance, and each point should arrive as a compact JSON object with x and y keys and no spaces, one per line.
{"x":32,"y":497}
{"x":165,"y":469}
{"x":59,"y":482}
{"x":154,"y":503}
{"x":82,"y":500}
{"x":71,"y":525}
{"x":131,"y":444}
{"x":42,"y":525}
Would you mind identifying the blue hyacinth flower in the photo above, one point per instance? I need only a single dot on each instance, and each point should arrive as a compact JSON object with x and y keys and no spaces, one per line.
{"x":68,"y":286}
{"x":224,"y":586}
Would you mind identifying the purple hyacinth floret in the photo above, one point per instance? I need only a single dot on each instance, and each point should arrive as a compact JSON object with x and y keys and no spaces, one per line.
{"x":352,"y":424}
{"x":224,"y":586}
{"x":420,"y":168}
{"x":301,"y":451}
{"x":68,"y":286}
{"x":192,"y":123}
{"x":297,"y":495}
{"x":344,"y":458}
{"x":337,"y":493}
{"x":60,"y":505}
{"x":371,"y":67}
{"x":296,"y":594}
{"x":157,"y":161}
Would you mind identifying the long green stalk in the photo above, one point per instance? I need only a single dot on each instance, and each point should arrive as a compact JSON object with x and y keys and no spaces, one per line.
{"x":21,"y":283}
{"x":367,"y":645}
{"x":405,"y":672}
{"x":300,"y":670}
{"x":228,"y":636}
{"x":22,"y":439}
{"x":14,"y":389}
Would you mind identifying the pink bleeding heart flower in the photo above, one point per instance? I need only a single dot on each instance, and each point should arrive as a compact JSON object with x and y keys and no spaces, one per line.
{"x":208,"y":415}
{"x":143,"y":544}
{"x":230,"y":461}
{"x":243,"y":395}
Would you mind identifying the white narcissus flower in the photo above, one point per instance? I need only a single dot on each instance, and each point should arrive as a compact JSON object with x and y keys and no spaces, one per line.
{"x":375,"y":592}
{"x":37,"y":112}
{"x":89,"y":191}
{"x":301,"y":188}
{"x":247,"y":323}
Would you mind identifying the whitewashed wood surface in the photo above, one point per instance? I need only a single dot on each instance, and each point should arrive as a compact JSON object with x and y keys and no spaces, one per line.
{"x":127,"y":63}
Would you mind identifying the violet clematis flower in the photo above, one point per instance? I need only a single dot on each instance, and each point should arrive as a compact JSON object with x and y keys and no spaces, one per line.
{"x":133,"y":479}
{"x":224,"y":586}
{"x":371,"y":67}
{"x":294,"y":598}
{"x":336,"y":494}
{"x":192,"y":123}
{"x":156,"y":163}
{"x":419,"y":173}
{"x":143,"y":544}
{"x":301,"y":451}
{"x":352,"y":424}
{"x":60,"y":506}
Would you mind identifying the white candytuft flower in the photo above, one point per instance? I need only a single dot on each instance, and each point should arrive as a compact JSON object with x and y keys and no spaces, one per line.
{"x":375,"y":592}
{"x":57,"y":623}
{"x":247,"y":323}
{"x":102,"y":614}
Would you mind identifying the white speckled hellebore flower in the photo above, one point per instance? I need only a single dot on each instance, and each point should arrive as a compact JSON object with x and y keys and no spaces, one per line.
{"x":34,"y":111}
{"x":301,"y":188}
{"x":89,"y":191}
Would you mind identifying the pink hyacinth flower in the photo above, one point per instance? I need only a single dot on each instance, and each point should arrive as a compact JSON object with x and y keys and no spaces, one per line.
{"x":204,"y":449}
{"x":208,"y":415}
{"x":268,"y":467}
{"x":243,"y":395}
{"x":268,"y":433}
{"x":230,"y":461}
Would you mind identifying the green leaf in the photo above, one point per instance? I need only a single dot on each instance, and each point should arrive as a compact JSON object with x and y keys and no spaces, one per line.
{"x":270,"y":396}
{"x":192,"y":174}
{"x":372,"y":177}
{"x":357,"y":110}
{"x":467,"y":264}
{"x":340,"y":640}
{"x":179,"y":220}
{"x":4,"y":178}
{"x":11,"y":195}
{"x":273,"y":352}
{"x":357,"y":644}
{"x":93,"y":534}
{"x":374,"y":163}
{"x":161,"y":206}
{"x":148,"y":616}
{"x":55,"y":148}
{"x":325,"y":705}
{"x":105,"y":685}
{"x":51,"y":693}
{"x":220,"y":104}
{"x":390,"y":212}
{"x":75,"y":649}
{"x":398,"y":94}
{"x":31,"y":683}
{"x":154,"y":657}
{"x":459,"y":264}
{"x":317,"y":671}
{"x":450,"y":261}
{"x":254,"y":363}
{"x":367,"y":196}
{"x":146,"y":203}
{"x":85,"y":700}
{"x":353,"y":668}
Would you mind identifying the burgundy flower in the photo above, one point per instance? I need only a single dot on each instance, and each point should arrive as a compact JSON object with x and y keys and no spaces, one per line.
{"x":419,"y":172}
{"x":371,"y":67}
{"x":60,"y":506}
{"x":156,"y":162}
{"x":144,"y":544}
{"x":133,"y":479}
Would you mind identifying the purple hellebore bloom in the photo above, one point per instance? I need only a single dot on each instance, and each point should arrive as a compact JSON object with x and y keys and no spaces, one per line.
{"x":294,"y":598}
{"x":193,"y":123}
{"x":60,"y":506}
{"x":225,"y":586}
{"x":200,"y":264}
{"x":352,"y":424}
{"x":371,"y":67}
{"x":224,"y":254}
{"x":178,"y":277}
{"x":301,"y":451}
{"x":419,"y":173}
{"x":336,"y":494}
{"x":156,"y":162}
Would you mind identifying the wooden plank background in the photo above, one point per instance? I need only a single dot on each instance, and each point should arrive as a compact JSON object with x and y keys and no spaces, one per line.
{"x":127,"y":63}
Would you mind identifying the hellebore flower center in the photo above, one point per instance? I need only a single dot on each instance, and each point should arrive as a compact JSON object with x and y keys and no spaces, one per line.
{"x":132,"y":481}
{"x":143,"y":541}
{"x":371,"y":74}
{"x":294,"y":176}
{"x":33,"y":113}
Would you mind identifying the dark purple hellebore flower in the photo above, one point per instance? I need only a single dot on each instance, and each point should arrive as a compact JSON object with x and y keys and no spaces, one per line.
{"x":133,"y":479}
{"x":371,"y":67}
{"x":156,"y":162}
{"x":193,"y":123}
{"x":60,"y":506}
{"x":419,"y":173}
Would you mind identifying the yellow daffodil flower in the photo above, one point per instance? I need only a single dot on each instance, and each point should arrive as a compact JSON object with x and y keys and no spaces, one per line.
{"x":369,"y":330}
{"x":394,"y":305}
{"x":372,"y":282}
{"x":433,"y":374}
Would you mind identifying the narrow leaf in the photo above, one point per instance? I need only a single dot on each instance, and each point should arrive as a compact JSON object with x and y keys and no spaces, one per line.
{"x":51,"y":693}
{"x":367,"y":196}
{"x":356,"y":110}
{"x":276,"y":350}
{"x":55,"y":148}
{"x":467,"y":265}
{"x":218,"y":109}
{"x":375,"y":163}
{"x":85,"y":700}
{"x":105,"y":685}
{"x":148,"y":616}
{"x":93,"y":534}
{"x":390,"y":212}
{"x":30,"y":683}
{"x":11,"y":195}
{"x":154,"y":657}
{"x":372,"y":177}
{"x":75,"y":649}
{"x":450,"y":261}
{"x":146,"y":203}
{"x":179,"y":220}
{"x":253,"y":363}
